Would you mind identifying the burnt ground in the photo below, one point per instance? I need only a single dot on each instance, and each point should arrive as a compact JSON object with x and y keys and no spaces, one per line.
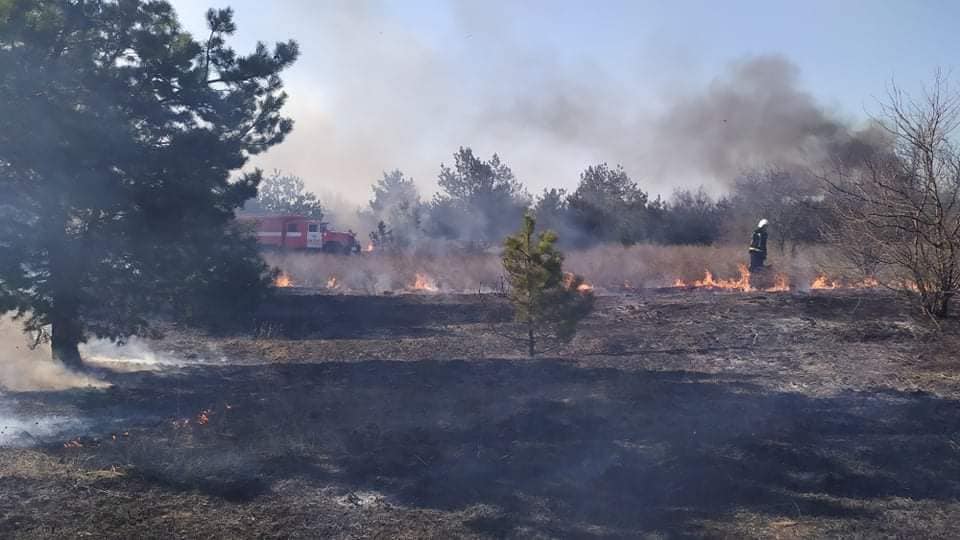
{"x":673,"y":414}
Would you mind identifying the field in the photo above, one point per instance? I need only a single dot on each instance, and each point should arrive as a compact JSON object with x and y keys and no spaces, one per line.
{"x":675,"y":413}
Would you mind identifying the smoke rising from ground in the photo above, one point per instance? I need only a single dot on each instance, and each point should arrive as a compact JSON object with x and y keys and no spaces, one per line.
{"x":371,"y":94}
{"x":26,"y":369}
{"x":23,"y":369}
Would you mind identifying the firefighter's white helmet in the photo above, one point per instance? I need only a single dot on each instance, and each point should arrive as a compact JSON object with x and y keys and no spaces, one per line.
{"x":763,"y":223}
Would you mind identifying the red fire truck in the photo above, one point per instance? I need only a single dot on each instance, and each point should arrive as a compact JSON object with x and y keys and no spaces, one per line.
{"x":293,"y":232}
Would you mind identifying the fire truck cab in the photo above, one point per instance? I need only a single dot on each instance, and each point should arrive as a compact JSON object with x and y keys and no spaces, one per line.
{"x":292,"y":232}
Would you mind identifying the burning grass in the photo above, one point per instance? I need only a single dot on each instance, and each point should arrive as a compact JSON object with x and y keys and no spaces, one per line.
{"x":283,"y":280}
{"x":606,"y":269}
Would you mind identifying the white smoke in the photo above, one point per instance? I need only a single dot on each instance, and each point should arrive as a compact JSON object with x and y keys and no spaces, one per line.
{"x":24,"y":369}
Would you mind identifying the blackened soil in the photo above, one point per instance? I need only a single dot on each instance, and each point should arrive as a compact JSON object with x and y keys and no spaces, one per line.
{"x":678,"y":414}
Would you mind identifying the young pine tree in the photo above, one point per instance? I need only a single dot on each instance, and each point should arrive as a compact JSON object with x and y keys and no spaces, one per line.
{"x":547,"y":301}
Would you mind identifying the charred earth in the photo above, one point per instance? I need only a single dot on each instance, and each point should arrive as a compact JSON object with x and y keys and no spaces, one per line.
{"x":674,"y":413}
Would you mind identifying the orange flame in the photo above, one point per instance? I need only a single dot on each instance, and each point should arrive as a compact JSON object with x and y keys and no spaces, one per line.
{"x":780,"y":284}
{"x":822,"y":283}
{"x":283,"y":280}
{"x":369,"y":247}
{"x":332,"y":282}
{"x":569,"y":278}
{"x":740,"y":284}
{"x":424,"y":283}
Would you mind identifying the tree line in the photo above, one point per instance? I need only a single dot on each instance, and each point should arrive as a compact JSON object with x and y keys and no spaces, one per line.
{"x":480,"y":201}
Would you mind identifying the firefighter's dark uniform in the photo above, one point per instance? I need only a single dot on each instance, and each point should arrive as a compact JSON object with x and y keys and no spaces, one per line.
{"x":758,"y":248}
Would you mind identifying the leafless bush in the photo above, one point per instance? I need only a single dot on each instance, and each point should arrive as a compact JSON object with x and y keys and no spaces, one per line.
{"x":897,"y":208}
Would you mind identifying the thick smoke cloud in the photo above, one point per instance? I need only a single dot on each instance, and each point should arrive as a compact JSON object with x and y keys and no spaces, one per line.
{"x":373,"y":94}
{"x":752,"y":116}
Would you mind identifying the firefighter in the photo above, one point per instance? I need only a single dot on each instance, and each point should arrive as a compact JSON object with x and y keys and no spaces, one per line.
{"x":758,"y":246}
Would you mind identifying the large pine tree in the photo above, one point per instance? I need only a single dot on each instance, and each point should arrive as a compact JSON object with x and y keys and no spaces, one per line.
{"x":118,"y":135}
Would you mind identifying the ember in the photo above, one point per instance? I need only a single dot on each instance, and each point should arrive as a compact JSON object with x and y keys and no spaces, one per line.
{"x":424,"y":283}
{"x":822,"y":283}
{"x":75,"y":443}
{"x":569,"y":278}
{"x":283,"y":280}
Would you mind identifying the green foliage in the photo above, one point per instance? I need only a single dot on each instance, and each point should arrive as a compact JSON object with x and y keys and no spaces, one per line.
{"x":286,"y":194}
{"x":551,"y":210}
{"x":396,"y":206}
{"x":608,"y":206}
{"x":118,"y":134}
{"x":382,"y":238}
{"x":543,"y":296}
{"x":478,"y":199}
{"x":691,"y":217}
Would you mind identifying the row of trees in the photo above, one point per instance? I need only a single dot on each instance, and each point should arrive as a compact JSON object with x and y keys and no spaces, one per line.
{"x":119,"y":133}
{"x":479,"y":200}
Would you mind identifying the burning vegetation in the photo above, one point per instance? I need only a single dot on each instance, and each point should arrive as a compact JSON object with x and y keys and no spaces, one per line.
{"x":454,"y":376}
{"x":283,"y":280}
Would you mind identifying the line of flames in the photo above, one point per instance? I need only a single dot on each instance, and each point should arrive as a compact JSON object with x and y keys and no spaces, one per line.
{"x":741,"y":283}
{"x":781,"y":283}
{"x":424,"y":283}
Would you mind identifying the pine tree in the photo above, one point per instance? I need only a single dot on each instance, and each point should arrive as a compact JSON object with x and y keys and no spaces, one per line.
{"x":545,"y":299}
{"x":118,"y":135}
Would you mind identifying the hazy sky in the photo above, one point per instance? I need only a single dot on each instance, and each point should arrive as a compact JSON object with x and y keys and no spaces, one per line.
{"x":555,"y":86}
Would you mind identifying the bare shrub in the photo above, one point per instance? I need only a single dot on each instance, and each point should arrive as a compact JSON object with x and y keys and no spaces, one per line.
{"x":897,"y":207}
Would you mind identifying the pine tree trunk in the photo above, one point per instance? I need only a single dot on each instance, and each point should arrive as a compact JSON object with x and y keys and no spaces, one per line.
{"x":66,"y":330}
{"x":531,"y":343}
{"x":65,"y":341}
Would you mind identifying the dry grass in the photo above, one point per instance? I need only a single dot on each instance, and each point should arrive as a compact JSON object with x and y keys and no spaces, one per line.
{"x":612,"y":267}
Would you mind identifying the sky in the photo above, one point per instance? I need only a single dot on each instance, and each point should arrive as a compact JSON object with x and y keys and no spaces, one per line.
{"x":554,"y":86}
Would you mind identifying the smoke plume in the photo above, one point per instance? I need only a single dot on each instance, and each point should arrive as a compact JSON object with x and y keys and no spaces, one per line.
{"x":372,"y":94}
{"x":26,"y":369}
{"x":752,"y":116}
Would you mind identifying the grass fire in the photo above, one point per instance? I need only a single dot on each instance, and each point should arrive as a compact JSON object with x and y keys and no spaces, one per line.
{"x":478,"y":270}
